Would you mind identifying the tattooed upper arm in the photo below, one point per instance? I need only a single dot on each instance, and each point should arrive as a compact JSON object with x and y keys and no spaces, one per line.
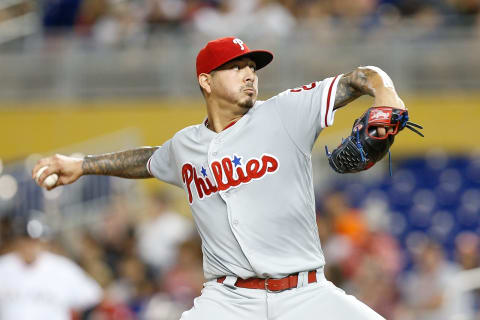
{"x":353,"y":85}
{"x":125,"y":164}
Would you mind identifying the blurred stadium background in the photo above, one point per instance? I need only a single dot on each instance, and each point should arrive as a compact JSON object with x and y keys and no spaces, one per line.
{"x":94,"y":76}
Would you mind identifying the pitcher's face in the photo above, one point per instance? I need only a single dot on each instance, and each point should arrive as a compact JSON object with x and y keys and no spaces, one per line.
{"x":236,"y":82}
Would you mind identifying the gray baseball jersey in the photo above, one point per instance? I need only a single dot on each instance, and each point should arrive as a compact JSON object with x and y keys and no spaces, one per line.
{"x":250,"y":186}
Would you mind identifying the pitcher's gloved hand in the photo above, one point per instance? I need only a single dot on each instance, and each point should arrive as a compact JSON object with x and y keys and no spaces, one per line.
{"x":372,"y":135}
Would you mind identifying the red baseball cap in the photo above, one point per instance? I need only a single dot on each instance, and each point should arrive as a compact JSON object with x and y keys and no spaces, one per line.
{"x":220,"y":51}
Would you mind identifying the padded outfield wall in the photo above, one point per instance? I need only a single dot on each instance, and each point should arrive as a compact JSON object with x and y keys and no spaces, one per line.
{"x":450,"y":123}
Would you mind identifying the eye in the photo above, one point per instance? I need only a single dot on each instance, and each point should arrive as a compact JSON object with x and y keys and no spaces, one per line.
{"x":253,"y":68}
{"x":236,"y":67}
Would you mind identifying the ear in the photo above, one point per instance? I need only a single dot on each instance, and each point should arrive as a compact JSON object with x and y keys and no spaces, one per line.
{"x":204,"y":82}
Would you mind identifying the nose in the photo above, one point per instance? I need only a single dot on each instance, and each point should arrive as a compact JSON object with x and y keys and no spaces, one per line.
{"x":249,"y":74}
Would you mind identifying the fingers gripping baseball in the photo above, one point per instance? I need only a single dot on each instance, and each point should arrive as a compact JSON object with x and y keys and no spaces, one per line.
{"x":382,"y":131}
{"x":57,"y":170}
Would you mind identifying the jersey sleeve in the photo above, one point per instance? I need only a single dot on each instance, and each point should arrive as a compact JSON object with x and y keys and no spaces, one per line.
{"x":162,"y":164}
{"x":305,"y":111}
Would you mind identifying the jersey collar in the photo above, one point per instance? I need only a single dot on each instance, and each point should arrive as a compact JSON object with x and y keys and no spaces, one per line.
{"x":228,"y":126}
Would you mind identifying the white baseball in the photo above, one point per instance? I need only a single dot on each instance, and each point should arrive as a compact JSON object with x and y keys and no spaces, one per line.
{"x":49,"y":181}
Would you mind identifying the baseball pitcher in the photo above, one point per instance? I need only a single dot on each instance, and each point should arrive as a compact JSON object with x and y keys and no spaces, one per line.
{"x":247,"y":174}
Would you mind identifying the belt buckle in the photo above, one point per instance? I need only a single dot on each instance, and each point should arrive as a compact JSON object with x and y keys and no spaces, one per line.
{"x":266,"y":285}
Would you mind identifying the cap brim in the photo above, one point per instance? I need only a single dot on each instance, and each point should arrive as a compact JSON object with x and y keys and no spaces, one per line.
{"x":260,"y":57}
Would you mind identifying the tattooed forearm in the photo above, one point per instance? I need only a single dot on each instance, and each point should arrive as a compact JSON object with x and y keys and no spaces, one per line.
{"x":125,"y":164}
{"x":369,"y":80}
{"x":346,"y":93}
{"x":352,"y":85}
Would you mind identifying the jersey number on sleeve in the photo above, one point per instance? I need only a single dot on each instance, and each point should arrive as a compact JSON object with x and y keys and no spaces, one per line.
{"x":309,"y":87}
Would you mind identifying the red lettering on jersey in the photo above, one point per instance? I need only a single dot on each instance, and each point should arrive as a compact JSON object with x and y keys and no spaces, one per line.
{"x":211,"y":187}
{"x":310,"y":87}
{"x":218,"y":175}
{"x":226,"y":176}
{"x":253,"y":169}
{"x":241,"y":175}
{"x":187,"y":176}
{"x":203,"y":185}
{"x":270,"y":163}
{"x":228,"y":169}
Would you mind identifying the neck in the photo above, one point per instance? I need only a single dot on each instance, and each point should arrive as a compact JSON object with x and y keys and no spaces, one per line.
{"x":28,"y":250}
{"x":220,"y":116}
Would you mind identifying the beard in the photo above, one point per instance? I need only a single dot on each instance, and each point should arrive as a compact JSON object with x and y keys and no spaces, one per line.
{"x":247,"y":103}
{"x":249,"y":100}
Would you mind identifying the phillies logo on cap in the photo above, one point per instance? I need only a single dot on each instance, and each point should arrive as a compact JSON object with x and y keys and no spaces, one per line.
{"x":223,"y":50}
{"x":227,"y":173}
{"x":239,"y":42}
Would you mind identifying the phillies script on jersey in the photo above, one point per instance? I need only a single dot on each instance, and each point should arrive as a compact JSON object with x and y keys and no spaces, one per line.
{"x":227,"y":173}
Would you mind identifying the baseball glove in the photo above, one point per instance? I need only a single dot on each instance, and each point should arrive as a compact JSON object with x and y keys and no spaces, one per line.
{"x":364,"y":147}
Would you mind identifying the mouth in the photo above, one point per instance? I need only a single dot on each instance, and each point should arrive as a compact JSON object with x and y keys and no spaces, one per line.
{"x":249,"y":90}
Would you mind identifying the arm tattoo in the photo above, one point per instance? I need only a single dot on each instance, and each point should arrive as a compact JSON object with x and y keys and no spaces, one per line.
{"x":126,"y":164}
{"x":353,"y":85}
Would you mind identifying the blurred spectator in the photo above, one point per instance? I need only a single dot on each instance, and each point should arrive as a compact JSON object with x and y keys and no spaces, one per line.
{"x":133,"y":287}
{"x":268,"y":17}
{"x":60,"y":15}
{"x":466,"y":12}
{"x":425,"y":288}
{"x":165,"y":13}
{"x":161,"y":234}
{"x":90,"y":12}
{"x":271,"y":18}
{"x":374,"y":285}
{"x":361,"y":255}
{"x":428,"y":20}
{"x":377,"y":266}
{"x":184,"y":281}
{"x":92,"y":258}
{"x":38,"y":284}
{"x":361,"y":13}
{"x":467,"y":250}
{"x":347,"y":221}
{"x":119,"y":277}
{"x":466,"y":284}
{"x":123,"y":22}
{"x":336,"y":248}
{"x":116,"y":234}
{"x":463,"y":291}
{"x":343,"y":232}
{"x":121,"y":26}
{"x":161,"y":307}
{"x":231,"y":17}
